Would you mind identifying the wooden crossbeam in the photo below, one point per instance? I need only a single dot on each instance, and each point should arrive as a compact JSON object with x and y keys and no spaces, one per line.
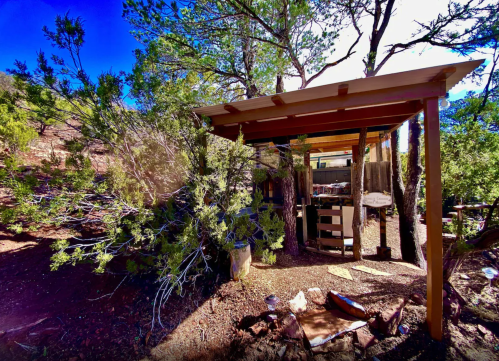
{"x":334,"y":149}
{"x":335,"y":138}
{"x":389,"y":121}
{"x":317,"y":119}
{"x":342,"y":89}
{"x":276,"y":99}
{"x":341,"y":143}
{"x":362,"y":99}
{"x":231,"y":109}
{"x":444,"y":74}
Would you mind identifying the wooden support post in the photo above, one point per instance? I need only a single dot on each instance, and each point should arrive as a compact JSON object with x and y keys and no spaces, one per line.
{"x":434,"y":250}
{"x":304,"y":220}
{"x":308,"y":171}
{"x":384,"y":252}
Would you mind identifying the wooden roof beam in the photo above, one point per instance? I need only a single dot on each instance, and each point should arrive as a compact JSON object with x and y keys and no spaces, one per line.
{"x":333,"y":149}
{"x":374,"y":97}
{"x":390,"y":121}
{"x":335,"y":138}
{"x":276,"y":99}
{"x":231,"y":109}
{"x":342,"y":143}
{"x":342,"y":90}
{"x":316,"y":119}
{"x":444,"y":74}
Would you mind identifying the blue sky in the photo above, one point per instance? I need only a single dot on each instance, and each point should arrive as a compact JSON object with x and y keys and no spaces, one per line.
{"x":108,"y":44}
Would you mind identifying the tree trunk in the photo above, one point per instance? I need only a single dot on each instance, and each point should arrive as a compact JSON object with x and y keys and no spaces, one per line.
{"x":406,"y":198}
{"x":358,"y":192}
{"x":409,"y":239}
{"x":289,"y":208}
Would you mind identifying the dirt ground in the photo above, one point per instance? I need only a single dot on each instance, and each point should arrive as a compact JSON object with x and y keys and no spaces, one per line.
{"x":74,"y":314}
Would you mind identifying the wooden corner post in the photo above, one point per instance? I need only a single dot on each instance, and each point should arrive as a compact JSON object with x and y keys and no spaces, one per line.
{"x":434,"y":252}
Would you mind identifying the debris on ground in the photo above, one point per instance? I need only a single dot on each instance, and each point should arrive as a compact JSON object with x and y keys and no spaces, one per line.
{"x":391,"y":316}
{"x":418,"y":299}
{"x":347,"y":305}
{"x":365,"y":338}
{"x":299,"y":303}
{"x":291,"y":327}
{"x":404,"y":329}
{"x":317,"y":296}
{"x":452,"y":308}
{"x":464,"y":277}
{"x":338,"y":344}
{"x":321,"y":326}
{"x":340,"y":272}
{"x":370,"y":270}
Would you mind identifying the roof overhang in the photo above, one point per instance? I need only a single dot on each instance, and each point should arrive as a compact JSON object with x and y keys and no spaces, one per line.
{"x":378,"y":103}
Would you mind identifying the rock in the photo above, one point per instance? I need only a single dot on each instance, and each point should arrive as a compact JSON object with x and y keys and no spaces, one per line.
{"x":444,"y":293}
{"x":391,"y":317}
{"x":299,"y":303}
{"x":259,"y":328}
{"x":291,"y":327}
{"x":336,"y":345}
{"x":418,"y":299}
{"x":347,"y":305}
{"x":373,"y":323}
{"x":482,"y":330}
{"x":270,"y":318}
{"x":452,"y":308}
{"x":464,"y":277}
{"x":282,"y":351}
{"x":317,"y":296}
{"x":365,"y":338}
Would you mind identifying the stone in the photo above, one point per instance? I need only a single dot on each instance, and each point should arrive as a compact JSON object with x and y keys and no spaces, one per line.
{"x":373,"y":323}
{"x":404,"y":329}
{"x":281,"y":351}
{"x":317,"y":296}
{"x":271,"y":317}
{"x":444,"y":293}
{"x":321,"y":326}
{"x":390,"y":318}
{"x":291,"y":327}
{"x":365,"y":338}
{"x":482,"y":330}
{"x":452,"y":308}
{"x":336,"y":345}
{"x":464,"y":277}
{"x":347,"y":305}
{"x":299,"y":303}
{"x":418,"y":299}
{"x":259,"y":328}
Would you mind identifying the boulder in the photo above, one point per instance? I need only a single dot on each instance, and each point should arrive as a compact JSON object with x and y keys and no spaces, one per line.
{"x":317,"y":296}
{"x":418,"y":299}
{"x":390,"y":318}
{"x":452,"y":309}
{"x":365,"y":338}
{"x":299,"y":303}
{"x":290,"y":327}
{"x":347,"y":305}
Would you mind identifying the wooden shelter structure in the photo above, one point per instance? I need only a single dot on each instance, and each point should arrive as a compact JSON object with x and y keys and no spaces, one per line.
{"x":332,"y":115}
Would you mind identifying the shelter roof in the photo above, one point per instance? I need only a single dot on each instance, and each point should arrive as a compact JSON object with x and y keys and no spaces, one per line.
{"x":380,"y":103}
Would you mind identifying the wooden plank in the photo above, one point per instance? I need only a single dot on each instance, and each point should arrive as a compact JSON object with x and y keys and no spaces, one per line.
{"x":342,"y":90}
{"x":434,"y":250}
{"x":329,"y":227}
{"x":329,"y":212}
{"x":376,"y":187}
{"x":231,"y":109}
{"x":374,"y":97}
{"x":304,"y":219}
{"x":331,"y":242}
{"x":341,"y":143}
{"x":290,"y":121}
{"x":444,"y":74}
{"x":276,"y":99}
{"x":335,"y":138}
{"x":306,"y":129}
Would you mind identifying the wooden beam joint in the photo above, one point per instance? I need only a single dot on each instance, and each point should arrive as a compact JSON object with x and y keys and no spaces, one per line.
{"x":231,"y":109}
{"x":276,"y":99}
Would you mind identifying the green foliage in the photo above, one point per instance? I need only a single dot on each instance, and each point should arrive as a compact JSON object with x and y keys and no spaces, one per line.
{"x":15,"y":133}
{"x":470,"y":150}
